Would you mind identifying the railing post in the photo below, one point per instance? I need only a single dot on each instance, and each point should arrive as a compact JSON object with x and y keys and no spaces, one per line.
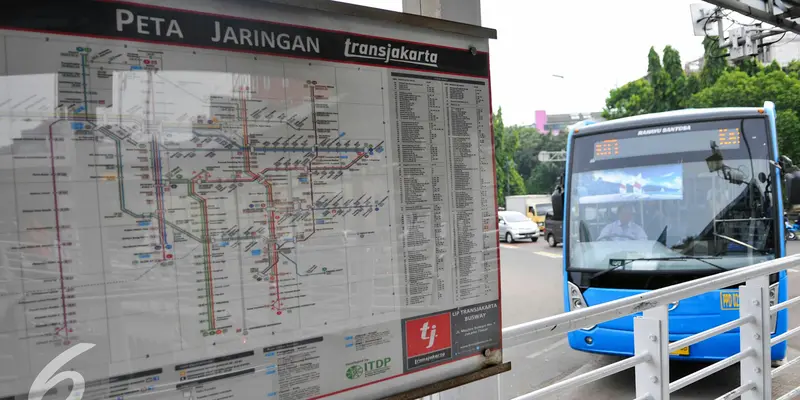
{"x":651,"y":335}
{"x":754,"y":300}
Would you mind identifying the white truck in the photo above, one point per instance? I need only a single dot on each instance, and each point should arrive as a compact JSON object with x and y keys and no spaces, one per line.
{"x":535,"y":206}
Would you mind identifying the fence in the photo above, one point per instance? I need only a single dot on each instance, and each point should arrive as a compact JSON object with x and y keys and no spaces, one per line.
{"x":651,"y":335}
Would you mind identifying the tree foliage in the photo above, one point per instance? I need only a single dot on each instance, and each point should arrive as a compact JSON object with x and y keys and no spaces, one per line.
{"x":506,"y":142}
{"x":632,"y":98}
{"x":665,"y":87}
{"x":747,"y":84}
{"x":539,"y":177}
{"x":714,"y":61}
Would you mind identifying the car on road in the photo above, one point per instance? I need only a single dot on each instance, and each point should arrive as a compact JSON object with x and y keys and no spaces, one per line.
{"x":552,"y":230}
{"x":516,"y":226}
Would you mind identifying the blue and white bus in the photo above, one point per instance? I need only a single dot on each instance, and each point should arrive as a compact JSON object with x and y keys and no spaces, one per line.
{"x":659,"y":199}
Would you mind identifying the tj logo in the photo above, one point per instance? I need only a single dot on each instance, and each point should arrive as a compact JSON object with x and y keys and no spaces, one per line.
{"x":48,"y":377}
{"x":430,"y":338}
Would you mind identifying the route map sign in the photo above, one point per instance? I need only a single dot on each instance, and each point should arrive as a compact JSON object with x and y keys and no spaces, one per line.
{"x":260,"y":204}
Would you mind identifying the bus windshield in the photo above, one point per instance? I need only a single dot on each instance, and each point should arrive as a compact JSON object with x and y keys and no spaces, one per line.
{"x":691,"y":197}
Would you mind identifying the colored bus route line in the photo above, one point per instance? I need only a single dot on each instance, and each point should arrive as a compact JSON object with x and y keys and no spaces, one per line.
{"x":209,"y":277}
{"x":56,"y":211}
{"x":246,"y":175}
{"x":159,"y":191}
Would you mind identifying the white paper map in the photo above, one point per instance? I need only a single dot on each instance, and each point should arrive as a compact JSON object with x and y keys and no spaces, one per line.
{"x":185,"y":209}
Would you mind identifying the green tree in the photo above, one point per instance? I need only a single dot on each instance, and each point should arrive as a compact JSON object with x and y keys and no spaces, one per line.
{"x":672,"y":63}
{"x":505,"y":144}
{"x":788,"y":125}
{"x":675,"y":91}
{"x":692,"y":86}
{"x":653,"y":63}
{"x":774,"y":66}
{"x":737,"y":88}
{"x":632,"y":98}
{"x":750,"y":66}
{"x":793,"y":69}
{"x":714,"y":64}
{"x":531,"y":141}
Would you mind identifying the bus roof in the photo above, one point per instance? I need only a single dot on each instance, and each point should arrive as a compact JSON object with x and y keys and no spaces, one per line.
{"x":671,"y":117}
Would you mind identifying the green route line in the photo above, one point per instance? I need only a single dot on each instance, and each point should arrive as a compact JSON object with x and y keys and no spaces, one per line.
{"x":206,"y":260}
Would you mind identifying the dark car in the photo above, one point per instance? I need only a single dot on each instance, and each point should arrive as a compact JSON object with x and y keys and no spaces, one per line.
{"x":552,"y":230}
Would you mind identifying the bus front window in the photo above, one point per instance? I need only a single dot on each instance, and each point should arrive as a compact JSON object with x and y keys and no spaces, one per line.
{"x":697,"y":199}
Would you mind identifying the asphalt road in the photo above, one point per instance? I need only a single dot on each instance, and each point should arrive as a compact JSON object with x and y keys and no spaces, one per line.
{"x":532,"y":289}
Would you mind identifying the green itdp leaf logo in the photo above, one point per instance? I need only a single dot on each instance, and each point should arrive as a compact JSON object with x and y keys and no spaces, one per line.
{"x":354,"y":372}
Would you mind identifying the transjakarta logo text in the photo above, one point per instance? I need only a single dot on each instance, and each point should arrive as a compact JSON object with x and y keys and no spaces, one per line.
{"x":428,"y":334}
{"x":388,"y":53}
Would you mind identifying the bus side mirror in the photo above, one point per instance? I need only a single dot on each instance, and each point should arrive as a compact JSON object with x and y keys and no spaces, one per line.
{"x":793,"y":188}
{"x":557,"y":200}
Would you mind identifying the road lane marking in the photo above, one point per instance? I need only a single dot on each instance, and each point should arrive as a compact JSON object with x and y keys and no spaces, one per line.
{"x":549,"y":348}
{"x":793,"y":270}
{"x":548,"y":254}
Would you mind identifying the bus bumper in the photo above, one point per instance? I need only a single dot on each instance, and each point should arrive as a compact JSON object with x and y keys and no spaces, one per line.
{"x":620,"y":343}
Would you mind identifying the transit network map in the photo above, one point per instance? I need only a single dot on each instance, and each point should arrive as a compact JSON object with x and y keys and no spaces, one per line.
{"x":200,"y":217}
{"x":199,"y":175}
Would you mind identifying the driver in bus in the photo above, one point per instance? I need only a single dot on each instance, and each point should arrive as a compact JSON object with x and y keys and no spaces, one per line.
{"x":624,"y":228}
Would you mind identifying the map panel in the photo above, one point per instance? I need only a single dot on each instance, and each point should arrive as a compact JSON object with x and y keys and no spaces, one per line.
{"x":215,"y":223}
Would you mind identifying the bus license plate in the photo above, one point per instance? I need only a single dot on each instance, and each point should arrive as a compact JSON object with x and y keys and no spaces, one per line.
{"x":681,"y":352}
{"x":729,"y":300}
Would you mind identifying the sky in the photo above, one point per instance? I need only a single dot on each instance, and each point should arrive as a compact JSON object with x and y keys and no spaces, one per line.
{"x":594,"y":45}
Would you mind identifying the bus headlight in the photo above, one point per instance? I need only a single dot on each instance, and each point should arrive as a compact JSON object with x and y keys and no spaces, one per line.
{"x":773,"y":299}
{"x":576,"y":300}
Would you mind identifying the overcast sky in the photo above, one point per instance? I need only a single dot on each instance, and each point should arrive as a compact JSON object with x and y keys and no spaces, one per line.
{"x":595,"y":45}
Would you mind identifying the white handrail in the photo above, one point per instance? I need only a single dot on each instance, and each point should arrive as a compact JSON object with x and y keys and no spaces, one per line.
{"x":738,"y":392}
{"x":574,"y":320}
{"x":699,"y":337}
{"x":711,"y":369}
{"x":786,"y":335}
{"x":786,"y":304}
{"x":588,"y":377}
{"x":780,"y":370}
{"x":792,"y":394}
{"x":752,"y":315}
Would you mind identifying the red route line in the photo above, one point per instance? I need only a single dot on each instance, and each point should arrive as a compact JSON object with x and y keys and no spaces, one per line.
{"x":58,"y":232}
{"x":270,"y":199}
{"x":254,"y":177}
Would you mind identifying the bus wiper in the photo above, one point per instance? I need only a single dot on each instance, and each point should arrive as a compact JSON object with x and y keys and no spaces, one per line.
{"x":739,"y":242}
{"x":617,"y":263}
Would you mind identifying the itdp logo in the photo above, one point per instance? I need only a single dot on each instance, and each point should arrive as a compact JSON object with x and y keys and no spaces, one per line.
{"x":48,"y":377}
{"x":354,"y":372}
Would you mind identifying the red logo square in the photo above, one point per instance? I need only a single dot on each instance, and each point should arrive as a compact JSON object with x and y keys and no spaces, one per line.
{"x":428,"y":334}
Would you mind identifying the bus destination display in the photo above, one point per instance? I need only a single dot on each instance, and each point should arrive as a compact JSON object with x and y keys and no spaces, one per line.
{"x":725,"y":138}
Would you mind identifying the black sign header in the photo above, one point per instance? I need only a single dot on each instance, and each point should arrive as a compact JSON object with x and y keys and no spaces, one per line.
{"x":130,"y":21}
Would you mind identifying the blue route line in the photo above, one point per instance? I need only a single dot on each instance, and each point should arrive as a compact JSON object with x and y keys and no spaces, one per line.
{"x":83,"y":78}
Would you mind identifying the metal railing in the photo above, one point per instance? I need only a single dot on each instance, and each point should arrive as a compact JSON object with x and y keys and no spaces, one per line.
{"x":651,"y":335}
